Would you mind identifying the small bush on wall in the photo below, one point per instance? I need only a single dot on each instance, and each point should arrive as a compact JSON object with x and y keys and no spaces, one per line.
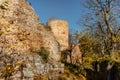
{"x":44,"y":54}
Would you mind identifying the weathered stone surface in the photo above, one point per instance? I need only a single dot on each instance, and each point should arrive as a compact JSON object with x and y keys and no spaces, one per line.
{"x":21,"y":32}
{"x":27,"y":73}
{"x":17,"y":75}
{"x":60,"y":31}
{"x":31,"y":67}
{"x":21,"y":37}
{"x":50,"y":43}
{"x":76,"y":55}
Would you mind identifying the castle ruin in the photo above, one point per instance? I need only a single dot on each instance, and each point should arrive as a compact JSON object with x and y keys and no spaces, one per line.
{"x":59,"y":29}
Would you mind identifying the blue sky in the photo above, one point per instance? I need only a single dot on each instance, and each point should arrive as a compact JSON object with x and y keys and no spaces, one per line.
{"x":69,"y":10}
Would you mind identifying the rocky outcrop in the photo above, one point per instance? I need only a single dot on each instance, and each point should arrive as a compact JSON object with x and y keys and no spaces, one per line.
{"x":59,"y":29}
{"x":76,"y":55}
{"x":27,"y":67}
{"x":21,"y":32}
{"x":21,"y":37}
{"x":50,"y":43}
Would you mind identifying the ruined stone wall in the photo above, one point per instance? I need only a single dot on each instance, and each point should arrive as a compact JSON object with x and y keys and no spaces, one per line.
{"x":21,"y":38}
{"x":21,"y":32}
{"x":60,"y":31}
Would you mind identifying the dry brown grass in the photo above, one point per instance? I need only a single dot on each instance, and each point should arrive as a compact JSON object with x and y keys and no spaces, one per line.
{"x":67,"y":75}
{"x":40,"y":77}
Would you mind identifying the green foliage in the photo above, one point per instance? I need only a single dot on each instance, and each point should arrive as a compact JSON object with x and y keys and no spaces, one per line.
{"x":86,"y":43}
{"x":92,"y":48}
{"x":100,"y":45}
{"x":116,"y":39}
{"x":44,"y":54}
{"x":87,"y":61}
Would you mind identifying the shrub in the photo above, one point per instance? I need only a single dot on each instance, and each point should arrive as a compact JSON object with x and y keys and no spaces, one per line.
{"x":44,"y":54}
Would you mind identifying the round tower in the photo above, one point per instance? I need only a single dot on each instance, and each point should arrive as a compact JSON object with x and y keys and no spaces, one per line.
{"x":60,"y":31}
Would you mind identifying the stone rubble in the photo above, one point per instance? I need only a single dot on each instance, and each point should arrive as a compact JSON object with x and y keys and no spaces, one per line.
{"x":34,"y":66}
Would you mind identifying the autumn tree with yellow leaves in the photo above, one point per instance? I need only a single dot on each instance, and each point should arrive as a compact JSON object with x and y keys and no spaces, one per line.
{"x":102,"y":43}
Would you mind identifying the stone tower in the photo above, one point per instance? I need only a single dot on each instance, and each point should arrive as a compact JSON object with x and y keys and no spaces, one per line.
{"x":59,"y":29}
